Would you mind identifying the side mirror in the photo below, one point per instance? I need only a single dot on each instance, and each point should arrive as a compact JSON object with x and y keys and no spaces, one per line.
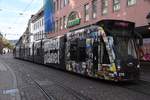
{"x":139,"y":38}
{"x":140,"y":42}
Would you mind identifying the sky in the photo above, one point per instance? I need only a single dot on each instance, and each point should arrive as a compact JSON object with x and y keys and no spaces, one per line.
{"x":14,"y":16}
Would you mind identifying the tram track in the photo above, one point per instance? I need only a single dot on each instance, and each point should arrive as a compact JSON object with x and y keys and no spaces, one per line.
{"x":37,"y":85}
{"x":141,"y":86}
{"x":70,"y":91}
{"x":48,"y":97}
{"x":59,"y":84}
{"x":76,"y":94}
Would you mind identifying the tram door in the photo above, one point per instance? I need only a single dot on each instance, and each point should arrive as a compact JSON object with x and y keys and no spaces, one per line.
{"x":103,"y":54}
{"x":95,"y":56}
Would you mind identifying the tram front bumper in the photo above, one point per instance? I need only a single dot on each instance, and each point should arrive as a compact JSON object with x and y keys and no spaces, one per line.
{"x":129,"y":75}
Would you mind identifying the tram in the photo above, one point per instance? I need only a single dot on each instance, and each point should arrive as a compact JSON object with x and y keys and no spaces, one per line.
{"x":107,"y":50}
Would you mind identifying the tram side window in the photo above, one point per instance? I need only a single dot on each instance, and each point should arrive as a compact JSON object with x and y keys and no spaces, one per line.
{"x":29,"y":52}
{"x":38,"y":51}
{"x":81,"y":50}
{"x":104,"y":57}
{"x":73,"y":51}
{"x":78,"y":50}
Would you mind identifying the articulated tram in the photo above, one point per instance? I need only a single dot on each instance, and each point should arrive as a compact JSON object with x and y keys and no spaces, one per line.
{"x":107,"y":50}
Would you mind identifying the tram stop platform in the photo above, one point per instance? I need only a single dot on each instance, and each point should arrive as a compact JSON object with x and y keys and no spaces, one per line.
{"x":145,"y":71}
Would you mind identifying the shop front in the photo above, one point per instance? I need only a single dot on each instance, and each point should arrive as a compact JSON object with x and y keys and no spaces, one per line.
{"x":145,"y":32}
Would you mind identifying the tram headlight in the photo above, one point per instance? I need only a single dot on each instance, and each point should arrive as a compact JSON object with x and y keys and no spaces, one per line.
{"x":118,"y":67}
{"x":138,"y":66}
{"x":118,"y":64}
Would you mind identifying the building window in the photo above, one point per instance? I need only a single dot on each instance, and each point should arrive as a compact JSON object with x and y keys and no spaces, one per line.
{"x":64,"y":22}
{"x":42,"y":22}
{"x":37,"y":36}
{"x":54,"y":7}
{"x":131,"y":2}
{"x":38,"y":23}
{"x":66,"y":2}
{"x":57,"y":26}
{"x":61,"y":4}
{"x":61,"y":23}
{"x":40,"y":35}
{"x":34,"y":27}
{"x":94,"y":8}
{"x":104,"y":7}
{"x":43,"y":34}
{"x":86,"y":12}
{"x":116,"y":5}
{"x":57,"y":4}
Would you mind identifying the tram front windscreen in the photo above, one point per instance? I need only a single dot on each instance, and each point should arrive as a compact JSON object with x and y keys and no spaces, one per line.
{"x":123,"y":38}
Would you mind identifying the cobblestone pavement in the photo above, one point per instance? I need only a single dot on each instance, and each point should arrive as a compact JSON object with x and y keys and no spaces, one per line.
{"x":59,"y":85}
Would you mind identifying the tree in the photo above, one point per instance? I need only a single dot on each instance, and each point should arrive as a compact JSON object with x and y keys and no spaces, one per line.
{"x":4,"y":43}
{"x":1,"y":45}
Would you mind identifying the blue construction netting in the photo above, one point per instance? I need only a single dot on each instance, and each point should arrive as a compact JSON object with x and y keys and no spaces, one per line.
{"x":48,"y":15}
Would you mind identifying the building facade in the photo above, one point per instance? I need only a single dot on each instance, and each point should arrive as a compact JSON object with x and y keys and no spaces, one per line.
{"x":73,"y":14}
{"x":37,"y":25}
